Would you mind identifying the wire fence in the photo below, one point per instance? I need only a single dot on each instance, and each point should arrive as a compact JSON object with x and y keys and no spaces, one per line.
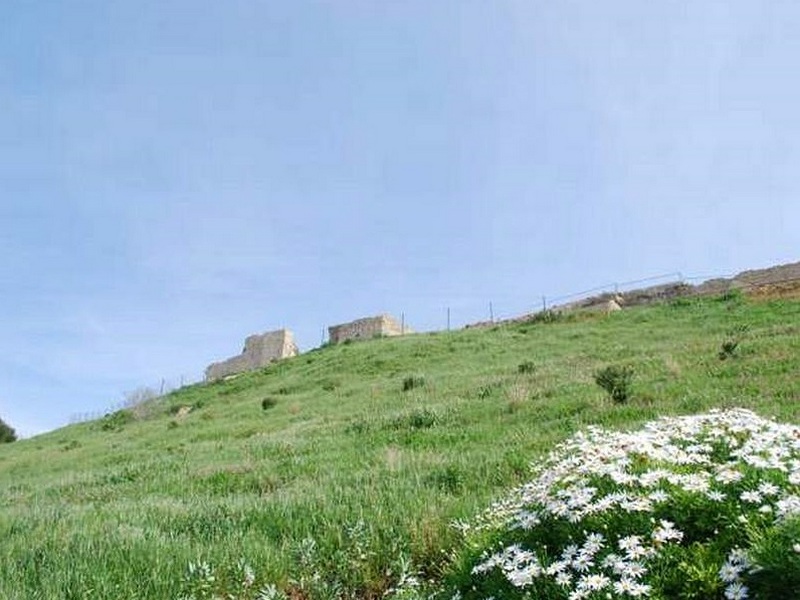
{"x":640,"y":291}
{"x":648,"y":289}
{"x":136,"y":398}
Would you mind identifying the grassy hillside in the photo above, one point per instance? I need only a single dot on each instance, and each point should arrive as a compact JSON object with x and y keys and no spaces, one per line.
{"x":331,"y":472}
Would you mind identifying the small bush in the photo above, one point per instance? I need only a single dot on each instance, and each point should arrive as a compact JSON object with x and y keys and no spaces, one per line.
{"x":731,"y":342}
{"x":7,"y":433}
{"x":358,"y":426}
{"x":727,"y":349}
{"x":616,"y":381}
{"x":526,"y":367}
{"x":268,"y":402}
{"x":177,"y":408}
{"x":546,"y":316}
{"x":489,"y":389}
{"x":731,"y":295}
{"x":682,"y":302}
{"x":449,"y":479}
{"x":422,"y":419}
{"x":413,"y":381}
{"x":419,"y":418}
{"x":330,"y":384}
{"x":117,"y":420}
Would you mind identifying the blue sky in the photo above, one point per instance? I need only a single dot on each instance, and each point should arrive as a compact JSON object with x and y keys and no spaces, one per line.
{"x":176,"y":175}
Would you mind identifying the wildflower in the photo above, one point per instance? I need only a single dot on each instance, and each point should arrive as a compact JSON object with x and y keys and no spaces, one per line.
{"x":593,"y":582}
{"x":750,"y":496}
{"x":694,"y":482}
{"x":594,"y":542}
{"x":569,"y":552}
{"x":737,"y":556}
{"x":563,"y":579}
{"x":768,"y":489}
{"x":583,"y":562}
{"x":630,"y":542}
{"x":666,"y":532}
{"x":631,"y":588}
{"x":559,"y":566}
{"x":789,"y":505}
{"x":633,"y":570}
{"x":736,"y":591}
{"x":729,"y":476}
{"x":624,"y":586}
{"x":729,"y":572}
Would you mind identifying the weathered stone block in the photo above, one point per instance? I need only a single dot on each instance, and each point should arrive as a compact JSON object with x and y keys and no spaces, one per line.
{"x":259,"y":351}
{"x":367,"y":328}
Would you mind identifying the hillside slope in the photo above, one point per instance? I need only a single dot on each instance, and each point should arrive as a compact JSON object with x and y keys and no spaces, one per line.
{"x":330,"y":472}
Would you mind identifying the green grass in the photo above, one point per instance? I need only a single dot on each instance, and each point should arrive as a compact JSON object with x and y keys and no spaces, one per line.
{"x":350,"y":455}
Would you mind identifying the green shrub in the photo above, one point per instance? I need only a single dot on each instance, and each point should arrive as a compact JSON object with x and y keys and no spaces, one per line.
{"x":616,"y":381}
{"x":422,"y":419}
{"x":728,"y":348}
{"x":526,"y":367}
{"x":449,"y":479}
{"x":330,"y":384}
{"x":7,"y":433}
{"x":117,"y":420}
{"x":413,"y":381}
{"x":418,"y":418}
{"x":174,"y":409}
{"x":489,"y":389}
{"x":546,"y":316}
{"x":731,"y":295}
{"x":70,"y":445}
{"x":731,"y":342}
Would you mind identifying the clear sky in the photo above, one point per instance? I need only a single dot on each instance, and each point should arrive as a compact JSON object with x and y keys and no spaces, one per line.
{"x":178,"y":174}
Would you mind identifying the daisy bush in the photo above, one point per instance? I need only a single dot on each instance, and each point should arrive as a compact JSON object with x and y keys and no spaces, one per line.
{"x":702,"y":506}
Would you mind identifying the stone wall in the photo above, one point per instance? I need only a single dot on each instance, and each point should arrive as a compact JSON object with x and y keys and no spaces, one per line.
{"x":367,"y":328}
{"x":259,"y":351}
{"x":781,"y":280}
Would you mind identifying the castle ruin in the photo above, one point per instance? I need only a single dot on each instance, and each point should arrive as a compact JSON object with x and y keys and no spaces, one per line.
{"x":259,"y":351}
{"x":367,"y":328}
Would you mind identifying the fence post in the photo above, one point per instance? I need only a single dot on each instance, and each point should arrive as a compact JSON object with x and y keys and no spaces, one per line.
{"x":448,"y":318}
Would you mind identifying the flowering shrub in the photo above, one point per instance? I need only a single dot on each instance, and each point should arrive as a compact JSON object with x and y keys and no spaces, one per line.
{"x":688,"y":507}
{"x":203,"y":581}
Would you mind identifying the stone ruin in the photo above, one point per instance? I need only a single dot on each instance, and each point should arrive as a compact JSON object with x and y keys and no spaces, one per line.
{"x":367,"y":328}
{"x":259,"y":351}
